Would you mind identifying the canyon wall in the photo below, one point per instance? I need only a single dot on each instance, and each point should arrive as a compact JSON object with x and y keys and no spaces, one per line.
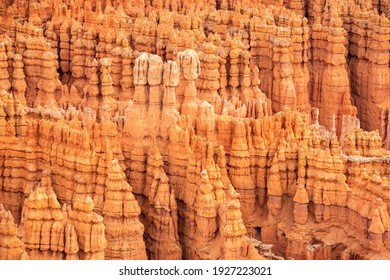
{"x":194,"y":130}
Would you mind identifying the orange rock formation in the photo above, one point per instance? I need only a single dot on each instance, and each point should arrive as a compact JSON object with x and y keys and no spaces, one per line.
{"x":194,"y":129}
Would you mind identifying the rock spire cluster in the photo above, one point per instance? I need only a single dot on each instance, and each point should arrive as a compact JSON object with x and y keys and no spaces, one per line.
{"x":183,"y":129}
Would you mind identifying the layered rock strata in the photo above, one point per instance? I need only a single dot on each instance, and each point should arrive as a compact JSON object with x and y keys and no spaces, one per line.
{"x":194,"y":130}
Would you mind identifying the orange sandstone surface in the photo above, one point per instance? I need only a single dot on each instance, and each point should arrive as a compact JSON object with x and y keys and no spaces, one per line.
{"x":180,"y":129}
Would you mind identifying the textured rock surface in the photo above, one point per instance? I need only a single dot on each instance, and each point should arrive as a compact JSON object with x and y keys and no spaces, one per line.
{"x":11,"y":247}
{"x":194,"y":129}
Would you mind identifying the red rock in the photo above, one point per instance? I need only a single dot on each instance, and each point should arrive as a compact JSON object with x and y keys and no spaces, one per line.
{"x":181,"y":130}
{"x":11,"y":247}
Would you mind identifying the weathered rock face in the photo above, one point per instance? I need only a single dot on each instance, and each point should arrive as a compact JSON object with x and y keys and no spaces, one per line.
{"x":89,"y":228}
{"x":160,"y":210}
{"x":43,"y":227}
{"x":194,"y":129}
{"x":283,"y":90}
{"x":12,"y":248}
{"x":120,"y":210}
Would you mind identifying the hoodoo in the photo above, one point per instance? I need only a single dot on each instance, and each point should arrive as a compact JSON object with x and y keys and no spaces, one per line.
{"x":177,"y":129}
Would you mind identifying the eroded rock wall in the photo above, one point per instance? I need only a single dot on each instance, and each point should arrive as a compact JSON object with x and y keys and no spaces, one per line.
{"x":180,"y":130}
